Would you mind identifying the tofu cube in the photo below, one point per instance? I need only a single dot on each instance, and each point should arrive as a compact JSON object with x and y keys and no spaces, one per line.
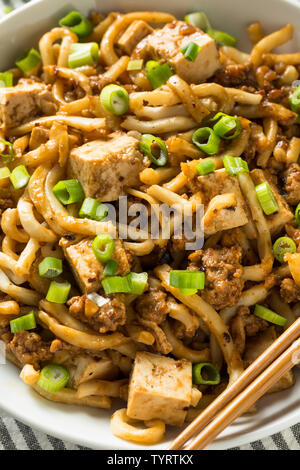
{"x":87,"y":270}
{"x":106,"y":167}
{"x":166,"y":43}
{"x":133,"y":35}
{"x":276,"y":221}
{"x":160,"y":388}
{"x":24,"y":102}
{"x":225,"y":207}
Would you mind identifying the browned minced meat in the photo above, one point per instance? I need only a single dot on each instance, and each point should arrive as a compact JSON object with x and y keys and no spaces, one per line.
{"x":245,"y":324}
{"x":236,"y":75}
{"x":4,"y":327}
{"x":289,"y":291}
{"x":292,"y":184}
{"x":101,"y":319}
{"x":29,"y":348}
{"x":153,"y":306}
{"x":223,"y":275}
{"x":6,"y":204}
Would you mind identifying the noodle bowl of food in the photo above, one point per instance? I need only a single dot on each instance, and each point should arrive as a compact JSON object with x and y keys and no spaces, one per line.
{"x":149,"y":211}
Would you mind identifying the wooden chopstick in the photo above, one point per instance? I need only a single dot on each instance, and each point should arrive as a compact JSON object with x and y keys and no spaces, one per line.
{"x":248,"y":397}
{"x":263,"y":361}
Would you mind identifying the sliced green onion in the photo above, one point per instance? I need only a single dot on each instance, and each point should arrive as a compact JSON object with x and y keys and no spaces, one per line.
{"x":78,"y":24}
{"x":134,"y":65}
{"x":222,"y":38}
{"x":198,"y":19}
{"x":133,"y":283}
{"x":158,"y":75}
{"x":150,"y":65}
{"x":68,"y":192}
{"x":58,"y":292}
{"x":103,"y":247}
{"x":93,"y":209}
{"x":266,"y":198}
{"x":137,"y":282}
{"x":53,"y":378}
{"x":295,"y":100}
{"x":155,"y":149}
{"x":268,"y":315}
{"x":188,"y":282}
{"x":206,"y":140}
{"x":6,"y":79}
{"x":228,"y":127}
{"x":114,"y":99}
{"x":282,"y":246}
{"x":4,"y":173}
{"x":191,"y":51}
{"x":110,"y":268}
{"x":50,"y":268}
{"x":83,"y":54}
{"x":19,"y":177}
{"x":205,"y":167}
{"x":29,"y":60}
{"x":8,"y":156}
{"x":297,"y":214}
{"x":27,"y":322}
{"x":116,"y":284}
{"x":7,"y":9}
{"x":206,"y":373}
{"x":235,"y":165}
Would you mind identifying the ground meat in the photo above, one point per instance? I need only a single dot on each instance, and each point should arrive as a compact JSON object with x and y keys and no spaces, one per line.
{"x":29,"y":348}
{"x":153,"y":306}
{"x":6,"y":204}
{"x":102,"y":319}
{"x":235,"y":75}
{"x":244,"y":325}
{"x":223,"y":275}
{"x":4,"y":327}
{"x":292,"y":184}
{"x":289,"y":291}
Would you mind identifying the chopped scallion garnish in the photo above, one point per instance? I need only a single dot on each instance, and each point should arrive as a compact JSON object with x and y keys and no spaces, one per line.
{"x":206,"y":373}
{"x":53,"y":378}
{"x":25,"y":323}
{"x":266,"y":198}
{"x":82,"y":54}
{"x":19,"y":177}
{"x":58,"y":292}
{"x":103,"y":247}
{"x":78,"y":24}
{"x":206,"y":140}
{"x":268,"y":315}
{"x":282,"y":246}
{"x":155,"y":148}
{"x":29,"y":61}
{"x":68,"y":191}
{"x":50,"y":268}
{"x":114,"y":99}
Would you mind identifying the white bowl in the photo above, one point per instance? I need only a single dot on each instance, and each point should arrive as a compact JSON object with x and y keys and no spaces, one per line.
{"x":90,"y":427}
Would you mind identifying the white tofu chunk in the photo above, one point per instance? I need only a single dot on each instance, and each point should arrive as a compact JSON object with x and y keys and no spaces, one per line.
{"x":87,"y":270}
{"x":225,"y":207}
{"x":276,"y":221}
{"x":24,"y":102}
{"x":106,"y":167}
{"x":160,"y":388}
{"x":166,"y":43}
{"x":133,"y":35}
